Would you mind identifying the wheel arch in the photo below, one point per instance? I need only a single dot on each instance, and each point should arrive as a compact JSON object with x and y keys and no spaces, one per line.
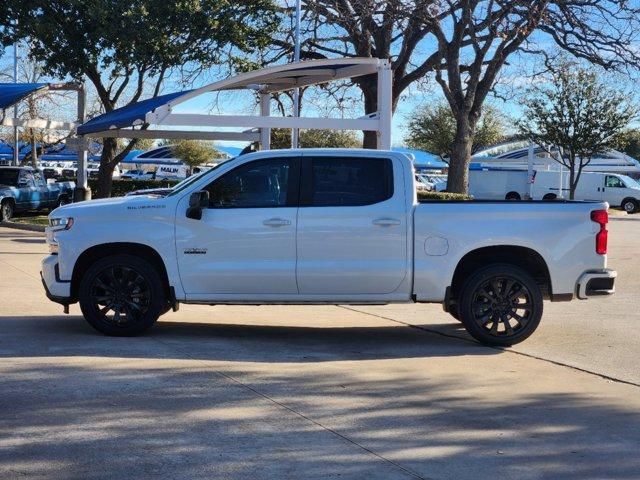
{"x":523,"y":257}
{"x":10,"y":200}
{"x":98,"y":252}
{"x":513,"y":195}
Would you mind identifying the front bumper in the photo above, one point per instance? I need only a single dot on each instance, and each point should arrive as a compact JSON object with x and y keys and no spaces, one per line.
{"x":57,"y":290}
{"x":596,"y":282}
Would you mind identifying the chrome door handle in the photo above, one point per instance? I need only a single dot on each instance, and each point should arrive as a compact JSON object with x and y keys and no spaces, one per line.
{"x":386,"y":222}
{"x":276,"y":222}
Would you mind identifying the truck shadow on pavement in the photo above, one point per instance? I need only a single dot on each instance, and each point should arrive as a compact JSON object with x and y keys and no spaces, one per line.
{"x":72,"y":336}
{"x":146,"y":415}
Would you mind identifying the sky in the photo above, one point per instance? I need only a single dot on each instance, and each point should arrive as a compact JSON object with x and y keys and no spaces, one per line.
{"x":514,"y":79}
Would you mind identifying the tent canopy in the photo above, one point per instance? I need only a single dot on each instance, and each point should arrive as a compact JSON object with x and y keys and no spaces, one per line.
{"x":157,"y":112}
{"x":12,"y":93}
{"x":128,"y":116}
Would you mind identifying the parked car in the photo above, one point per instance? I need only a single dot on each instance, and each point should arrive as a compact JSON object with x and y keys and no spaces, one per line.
{"x":615,"y":189}
{"x":432,"y":182}
{"x":137,"y":175}
{"x":69,"y":172}
{"x":24,"y":188}
{"x":167,"y":190}
{"x":50,"y":172}
{"x":323,"y":226}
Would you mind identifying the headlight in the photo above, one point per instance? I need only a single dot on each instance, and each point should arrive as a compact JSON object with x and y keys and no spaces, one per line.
{"x":61,"y":223}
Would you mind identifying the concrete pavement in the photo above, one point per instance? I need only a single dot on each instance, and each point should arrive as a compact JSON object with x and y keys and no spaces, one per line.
{"x":314,"y":392}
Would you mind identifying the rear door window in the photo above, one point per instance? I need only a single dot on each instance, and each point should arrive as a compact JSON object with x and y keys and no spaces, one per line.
{"x":346,"y":181}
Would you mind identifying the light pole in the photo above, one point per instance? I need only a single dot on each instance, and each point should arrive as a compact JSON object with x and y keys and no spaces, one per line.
{"x":295,"y":133}
{"x":16,"y":156}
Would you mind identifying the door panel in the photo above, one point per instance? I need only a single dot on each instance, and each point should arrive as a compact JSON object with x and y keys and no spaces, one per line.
{"x":234,"y":251}
{"x":352,"y":231}
{"x":245,"y":242}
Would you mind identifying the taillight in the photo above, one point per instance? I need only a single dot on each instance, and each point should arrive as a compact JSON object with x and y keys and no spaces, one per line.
{"x":601,"y":217}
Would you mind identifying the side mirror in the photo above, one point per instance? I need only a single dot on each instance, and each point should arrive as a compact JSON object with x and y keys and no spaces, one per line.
{"x":197,"y":201}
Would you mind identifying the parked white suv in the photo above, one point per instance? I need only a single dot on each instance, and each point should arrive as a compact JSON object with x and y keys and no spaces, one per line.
{"x":323,"y":226}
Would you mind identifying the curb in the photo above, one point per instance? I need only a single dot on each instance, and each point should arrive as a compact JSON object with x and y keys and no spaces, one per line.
{"x":23,"y":226}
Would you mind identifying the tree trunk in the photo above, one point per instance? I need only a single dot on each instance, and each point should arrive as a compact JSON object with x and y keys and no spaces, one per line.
{"x":105,"y":173}
{"x":572,"y":180}
{"x":370,"y":92}
{"x":458,"y":178}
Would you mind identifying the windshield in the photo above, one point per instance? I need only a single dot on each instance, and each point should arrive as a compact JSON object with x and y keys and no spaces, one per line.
{"x":9,"y":176}
{"x":188,"y":181}
{"x":630,"y":182}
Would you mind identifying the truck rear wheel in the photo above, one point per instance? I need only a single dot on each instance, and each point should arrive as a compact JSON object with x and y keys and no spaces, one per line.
{"x":500,"y":305}
{"x":121,"y":295}
{"x":6,"y":211}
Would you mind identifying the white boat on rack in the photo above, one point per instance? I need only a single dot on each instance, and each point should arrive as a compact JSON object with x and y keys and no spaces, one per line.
{"x":514,"y":155}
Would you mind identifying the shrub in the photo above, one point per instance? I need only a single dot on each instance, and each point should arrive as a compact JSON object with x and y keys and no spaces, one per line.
{"x":442,"y":196}
{"x":121,"y":187}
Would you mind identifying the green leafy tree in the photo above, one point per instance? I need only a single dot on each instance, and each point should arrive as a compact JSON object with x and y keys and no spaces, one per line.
{"x":629,"y":143}
{"x":195,"y":152}
{"x":577,"y":114}
{"x":281,"y":138}
{"x":433,"y":128}
{"x":127,"y":48}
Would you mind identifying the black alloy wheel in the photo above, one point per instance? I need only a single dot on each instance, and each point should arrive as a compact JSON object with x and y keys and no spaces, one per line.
{"x":501,"y":305}
{"x":121,"y":295}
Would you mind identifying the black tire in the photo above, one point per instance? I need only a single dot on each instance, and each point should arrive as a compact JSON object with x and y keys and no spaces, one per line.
{"x":549,"y":196}
{"x":6,"y":211}
{"x":630,"y":205}
{"x":121,"y":295}
{"x":166,"y":309}
{"x":454,"y":311}
{"x":512,"y":196}
{"x":501,"y":305}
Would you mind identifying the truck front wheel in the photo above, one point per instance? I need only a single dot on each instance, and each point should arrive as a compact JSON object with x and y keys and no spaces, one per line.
{"x":500,"y":305}
{"x":121,"y":295}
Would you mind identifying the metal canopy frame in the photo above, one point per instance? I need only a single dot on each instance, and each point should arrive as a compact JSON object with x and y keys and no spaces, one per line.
{"x":266,"y":82}
{"x":44,"y":124}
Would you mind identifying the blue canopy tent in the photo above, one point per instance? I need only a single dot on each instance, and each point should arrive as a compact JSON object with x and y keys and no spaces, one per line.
{"x":161,"y":121}
{"x":129,"y":116}
{"x":13,"y":93}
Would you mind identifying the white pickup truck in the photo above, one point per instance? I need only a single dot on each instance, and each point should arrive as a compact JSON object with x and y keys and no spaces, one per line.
{"x":322,"y":226}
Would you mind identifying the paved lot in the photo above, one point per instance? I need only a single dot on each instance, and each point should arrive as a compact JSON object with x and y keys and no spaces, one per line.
{"x":317,"y":392}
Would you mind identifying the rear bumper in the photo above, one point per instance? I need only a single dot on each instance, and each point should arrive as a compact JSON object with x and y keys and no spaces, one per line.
{"x":57,"y":290}
{"x":596,"y":282}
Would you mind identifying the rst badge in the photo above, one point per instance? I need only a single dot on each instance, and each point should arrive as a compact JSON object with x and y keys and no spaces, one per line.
{"x":195,"y":251}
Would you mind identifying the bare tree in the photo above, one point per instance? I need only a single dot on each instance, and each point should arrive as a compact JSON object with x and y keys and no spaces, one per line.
{"x":42,"y":104}
{"x":465,"y":44}
{"x":575,"y":116}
